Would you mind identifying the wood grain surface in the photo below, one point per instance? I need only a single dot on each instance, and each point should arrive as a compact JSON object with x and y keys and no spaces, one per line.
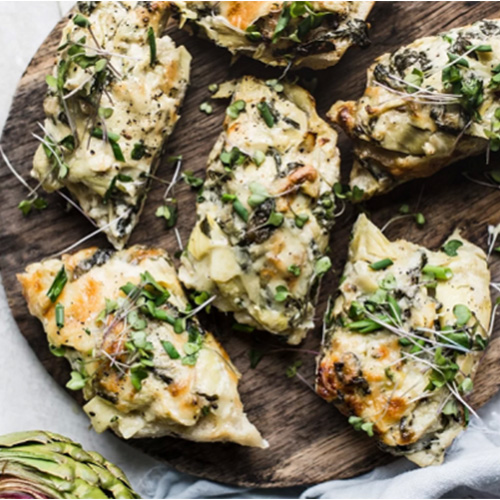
{"x":309,"y":440}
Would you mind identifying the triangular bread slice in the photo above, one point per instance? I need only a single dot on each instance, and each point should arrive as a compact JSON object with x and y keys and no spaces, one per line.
{"x":113,"y":99}
{"x":404,"y":339}
{"x":146,"y":366}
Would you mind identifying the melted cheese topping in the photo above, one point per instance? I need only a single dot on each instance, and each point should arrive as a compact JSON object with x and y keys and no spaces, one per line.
{"x":371,"y":375}
{"x":144,"y":99}
{"x":197,"y":401}
{"x":341,"y":24}
{"x":399,"y":133}
{"x":243,"y":262}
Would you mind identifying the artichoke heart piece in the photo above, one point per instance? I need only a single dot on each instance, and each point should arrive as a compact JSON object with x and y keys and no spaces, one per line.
{"x":266,"y":210}
{"x":305,"y":34}
{"x":403,"y":340}
{"x":425,"y":106}
{"x":39,"y":464}
{"x":113,"y":99}
{"x":146,"y":365}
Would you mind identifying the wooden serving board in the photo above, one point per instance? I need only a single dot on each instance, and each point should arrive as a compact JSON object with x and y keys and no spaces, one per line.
{"x":309,"y":440}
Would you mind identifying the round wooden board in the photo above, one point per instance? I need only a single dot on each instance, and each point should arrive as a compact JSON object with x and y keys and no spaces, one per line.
{"x":309,"y":440}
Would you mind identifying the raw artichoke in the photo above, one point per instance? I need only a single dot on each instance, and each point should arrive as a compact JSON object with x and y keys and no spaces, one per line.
{"x":40,"y":464}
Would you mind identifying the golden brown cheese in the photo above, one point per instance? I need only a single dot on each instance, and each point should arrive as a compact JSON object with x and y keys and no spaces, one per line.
{"x":404,"y":338}
{"x":312,"y":34}
{"x":425,"y":106}
{"x":146,"y":366}
{"x":110,"y":106}
{"x":267,"y":207}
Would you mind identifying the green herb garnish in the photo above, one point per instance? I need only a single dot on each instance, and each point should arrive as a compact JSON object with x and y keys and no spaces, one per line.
{"x":381,"y":264}
{"x":236,"y":108}
{"x":59,"y":315}
{"x":57,"y":285}
{"x":265,"y":112}
{"x":152,"y":46}
{"x":170,"y":349}
{"x":450,"y":247}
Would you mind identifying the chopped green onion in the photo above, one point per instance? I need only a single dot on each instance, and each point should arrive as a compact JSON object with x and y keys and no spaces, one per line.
{"x":57,"y":285}
{"x":441,"y":273}
{"x":294,"y":269}
{"x":240,"y":209}
{"x":381,"y":264}
{"x":152,"y":46}
{"x":265,"y":112}
{"x":170,"y":349}
{"x":59,"y":315}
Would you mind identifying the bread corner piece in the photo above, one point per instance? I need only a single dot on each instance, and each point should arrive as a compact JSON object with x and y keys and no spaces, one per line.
{"x":146,"y":366}
{"x":264,"y":218}
{"x":304,"y":34}
{"x":113,"y":99}
{"x":403,"y":340}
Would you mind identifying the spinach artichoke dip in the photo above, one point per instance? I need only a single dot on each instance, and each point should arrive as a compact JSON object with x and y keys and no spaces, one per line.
{"x":113,"y":98}
{"x":427,"y":105}
{"x":403,"y":340}
{"x":312,"y":34}
{"x":146,"y":366}
{"x":266,"y":210}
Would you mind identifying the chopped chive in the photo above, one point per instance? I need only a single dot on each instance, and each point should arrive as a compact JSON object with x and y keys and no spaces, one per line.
{"x":480,"y":48}
{"x":265,"y":112}
{"x":239,"y":327}
{"x":441,"y":273}
{"x":170,"y":349}
{"x":57,"y":285}
{"x":381,"y":264}
{"x":240,"y":209}
{"x":59,"y":315}
{"x":152,"y":46}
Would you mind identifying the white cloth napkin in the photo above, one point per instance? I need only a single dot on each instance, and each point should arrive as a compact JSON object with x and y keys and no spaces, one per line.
{"x":471,"y":469}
